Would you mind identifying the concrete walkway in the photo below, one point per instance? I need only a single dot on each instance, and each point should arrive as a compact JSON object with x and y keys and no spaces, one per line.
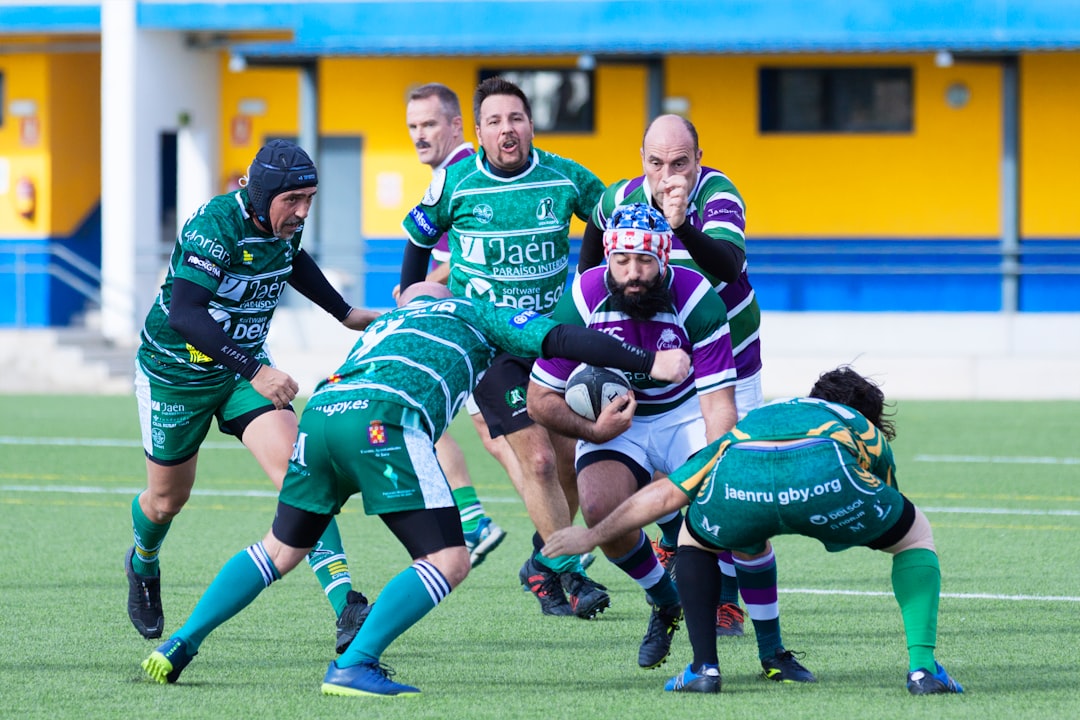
{"x":913,"y":355}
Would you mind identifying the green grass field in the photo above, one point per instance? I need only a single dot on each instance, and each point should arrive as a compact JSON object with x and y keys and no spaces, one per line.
{"x":999,"y":481}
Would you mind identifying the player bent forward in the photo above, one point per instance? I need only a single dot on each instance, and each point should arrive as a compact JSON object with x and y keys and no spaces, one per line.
{"x":371,"y":428}
{"x":791,"y":467}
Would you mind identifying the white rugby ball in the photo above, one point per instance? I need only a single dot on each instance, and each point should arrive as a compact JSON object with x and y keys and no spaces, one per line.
{"x":590,"y":389}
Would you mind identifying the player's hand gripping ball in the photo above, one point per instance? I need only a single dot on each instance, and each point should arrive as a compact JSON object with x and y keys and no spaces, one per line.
{"x":590,"y":389}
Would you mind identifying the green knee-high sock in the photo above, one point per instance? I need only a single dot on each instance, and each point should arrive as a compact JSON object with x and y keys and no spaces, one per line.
{"x":244,"y":576}
{"x":331,"y":567}
{"x":669,"y":529}
{"x":148,"y":539}
{"x":469,"y":507}
{"x":409,"y":596}
{"x":916,"y":580}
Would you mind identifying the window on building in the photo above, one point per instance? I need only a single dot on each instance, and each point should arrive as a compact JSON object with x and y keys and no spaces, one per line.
{"x":561,"y":99}
{"x":835,"y":100}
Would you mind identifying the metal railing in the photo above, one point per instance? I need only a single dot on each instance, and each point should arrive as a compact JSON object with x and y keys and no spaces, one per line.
{"x":53,"y":260}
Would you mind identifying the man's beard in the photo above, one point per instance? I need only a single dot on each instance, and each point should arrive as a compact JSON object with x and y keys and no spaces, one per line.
{"x":641,"y":305}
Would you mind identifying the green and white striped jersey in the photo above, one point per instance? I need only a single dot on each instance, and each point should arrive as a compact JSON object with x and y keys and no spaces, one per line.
{"x":220,"y":248}
{"x":509,"y":237}
{"x":429,"y":355}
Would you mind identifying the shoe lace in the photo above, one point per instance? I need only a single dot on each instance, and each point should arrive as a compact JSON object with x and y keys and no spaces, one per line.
{"x":663,"y":553}
{"x":579,"y":584}
{"x":728,"y":615}
{"x":549,"y":585}
{"x":790,"y":659}
{"x":385,"y":670}
{"x":662,"y":624}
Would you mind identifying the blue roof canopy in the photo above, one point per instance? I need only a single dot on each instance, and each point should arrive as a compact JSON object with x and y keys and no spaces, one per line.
{"x":485,"y":27}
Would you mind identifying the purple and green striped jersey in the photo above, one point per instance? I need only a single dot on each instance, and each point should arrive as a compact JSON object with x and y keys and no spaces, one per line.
{"x":695,"y":322}
{"x":441,"y":252}
{"x":717,"y":209}
{"x":509,"y":237}
{"x":429,"y":355}
{"x":220,"y":248}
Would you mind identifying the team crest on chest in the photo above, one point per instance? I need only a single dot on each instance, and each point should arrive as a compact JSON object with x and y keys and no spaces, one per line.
{"x":483,"y":213}
{"x":668,"y":340}
{"x":545,"y":212}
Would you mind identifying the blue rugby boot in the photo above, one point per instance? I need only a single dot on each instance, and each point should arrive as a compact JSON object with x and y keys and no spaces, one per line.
{"x":167,"y":662}
{"x":369,"y":678}
{"x":708,"y":681}
{"x":924,"y":682}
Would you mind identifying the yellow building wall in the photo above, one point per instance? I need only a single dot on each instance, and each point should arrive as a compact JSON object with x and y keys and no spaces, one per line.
{"x":367,"y":97}
{"x":1050,"y":145}
{"x":275,"y":93}
{"x":25,"y":79}
{"x":74,"y":139}
{"x":941,"y":180}
{"x":57,"y":146}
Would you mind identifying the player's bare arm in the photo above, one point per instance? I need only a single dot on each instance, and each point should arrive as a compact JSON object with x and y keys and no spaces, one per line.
{"x":718,"y":409}
{"x":643,"y":507}
{"x":549,"y":408}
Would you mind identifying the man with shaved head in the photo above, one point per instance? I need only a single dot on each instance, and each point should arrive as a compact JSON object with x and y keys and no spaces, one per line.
{"x":708,"y":219}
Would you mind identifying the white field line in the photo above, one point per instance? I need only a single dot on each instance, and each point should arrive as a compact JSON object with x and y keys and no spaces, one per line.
{"x":104,"y":442}
{"x":998,"y":459}
{"x":959,"y":596}
{"x":91,"y":490}
{"x":112,"y":442}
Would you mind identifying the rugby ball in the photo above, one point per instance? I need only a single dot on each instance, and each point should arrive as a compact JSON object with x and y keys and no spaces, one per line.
{"x":590,"y":389}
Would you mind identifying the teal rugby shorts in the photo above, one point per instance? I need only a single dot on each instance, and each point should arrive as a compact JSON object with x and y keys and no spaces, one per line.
{"x":175,"y":419}
{"x":378,"y":449}
{"x":814,"y":488}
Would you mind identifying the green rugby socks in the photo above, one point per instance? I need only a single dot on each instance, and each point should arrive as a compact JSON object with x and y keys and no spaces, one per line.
{"x":916,"y":580}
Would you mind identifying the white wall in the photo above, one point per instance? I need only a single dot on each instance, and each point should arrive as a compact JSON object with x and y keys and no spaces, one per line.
{"x":149,"y":80}
{"x":912,"y":355}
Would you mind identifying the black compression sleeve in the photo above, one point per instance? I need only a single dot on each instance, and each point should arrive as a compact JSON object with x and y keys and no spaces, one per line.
{"x":719,"y":258}
{"x":414,"y":264}
{"x":309,"y":280}
{"x":592,"y":247}
{"x":189,"y":315}
{"x":596,"y":348}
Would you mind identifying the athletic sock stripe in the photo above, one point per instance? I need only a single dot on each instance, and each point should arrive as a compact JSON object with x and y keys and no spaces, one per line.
{"x":764,"y":611}
{"x":338,"y":557}
{"x":336,"y":584}
{"x":471,"y":513}
{"x":757,"y":563}
{"x":434,"y":581}
{"x":262,"y":561}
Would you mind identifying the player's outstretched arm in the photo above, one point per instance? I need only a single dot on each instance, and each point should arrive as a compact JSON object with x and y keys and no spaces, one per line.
{"x":643,"y":507}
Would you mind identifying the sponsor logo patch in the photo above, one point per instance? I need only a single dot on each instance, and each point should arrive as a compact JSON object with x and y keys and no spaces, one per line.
{"x":203,"y":265}
{"x":423,"y":223}
{"x":523,"y":318}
